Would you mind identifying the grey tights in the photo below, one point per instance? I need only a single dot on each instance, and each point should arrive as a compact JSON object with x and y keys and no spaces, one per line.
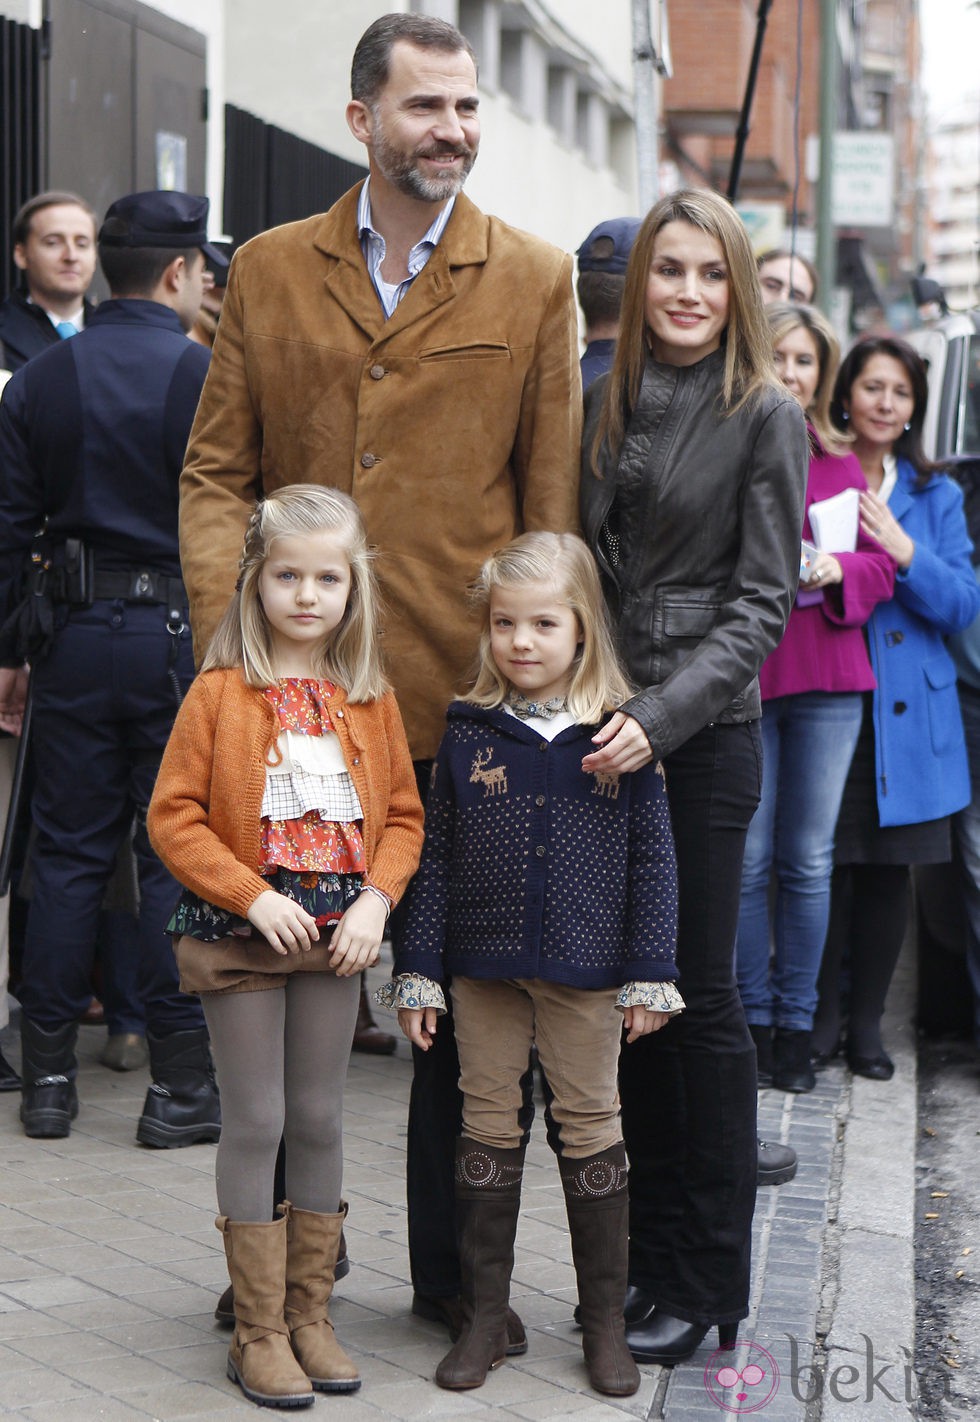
{"x":281,"y":1058}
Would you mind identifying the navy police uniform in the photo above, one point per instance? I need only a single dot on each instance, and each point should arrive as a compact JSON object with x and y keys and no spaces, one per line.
{"x":92,"y":439}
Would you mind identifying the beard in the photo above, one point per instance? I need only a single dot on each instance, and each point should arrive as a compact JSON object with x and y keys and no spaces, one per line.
{"x":401,"y":169}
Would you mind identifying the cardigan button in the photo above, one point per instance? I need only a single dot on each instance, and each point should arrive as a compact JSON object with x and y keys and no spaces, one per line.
{"x":540,"y":800}
{"x":544,"y":745}
{"x":340,"y":715}
{"x":356,"y":761}
{"x":541,"y":851}
{"x":900,"y":708}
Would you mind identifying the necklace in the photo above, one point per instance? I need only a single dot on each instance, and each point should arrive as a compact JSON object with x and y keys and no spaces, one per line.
{"x":524,"y":708}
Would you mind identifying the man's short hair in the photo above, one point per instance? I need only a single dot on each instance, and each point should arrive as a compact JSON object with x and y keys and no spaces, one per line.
{"x":53,"y":198}
{"x":136,"y":271}
{"x":372,"y":57}
{"x":600,"y":295}
{"x":775,"y":254}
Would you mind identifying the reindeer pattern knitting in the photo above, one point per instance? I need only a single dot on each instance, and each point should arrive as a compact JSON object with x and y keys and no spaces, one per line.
{"x":533,"y":868}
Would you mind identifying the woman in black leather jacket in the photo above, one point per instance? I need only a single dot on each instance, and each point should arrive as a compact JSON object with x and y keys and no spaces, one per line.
{"x":693,"y":474}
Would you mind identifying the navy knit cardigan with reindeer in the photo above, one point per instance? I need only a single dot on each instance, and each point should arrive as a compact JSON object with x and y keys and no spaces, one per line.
{"x":532,"y":868}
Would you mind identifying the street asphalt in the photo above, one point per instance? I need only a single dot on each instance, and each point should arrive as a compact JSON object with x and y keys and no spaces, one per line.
{"x":110,"y":1266}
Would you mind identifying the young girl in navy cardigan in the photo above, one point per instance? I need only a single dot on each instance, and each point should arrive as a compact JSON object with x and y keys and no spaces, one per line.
{"x":548,"y":896}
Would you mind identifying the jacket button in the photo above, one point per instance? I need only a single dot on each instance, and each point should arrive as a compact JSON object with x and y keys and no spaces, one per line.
{"x":368,"y":461}
{"x":377,"y":372}
{"x":540,"y":800}
{"x":900,"y":708}
{"x":541,"y":851}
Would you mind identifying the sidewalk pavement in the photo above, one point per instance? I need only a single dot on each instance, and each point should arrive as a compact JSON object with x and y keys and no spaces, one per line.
{"x":110,"y":1267}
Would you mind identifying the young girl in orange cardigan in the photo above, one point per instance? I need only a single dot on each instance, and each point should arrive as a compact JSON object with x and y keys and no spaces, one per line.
{"x":286,"y":804}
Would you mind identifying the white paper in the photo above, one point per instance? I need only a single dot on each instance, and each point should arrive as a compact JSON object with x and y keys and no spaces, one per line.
{"x":834,"y":522}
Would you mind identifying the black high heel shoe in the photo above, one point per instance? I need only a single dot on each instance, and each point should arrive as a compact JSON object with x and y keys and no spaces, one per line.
{"x":638,"y":1306}
{"x":666,"y":1340}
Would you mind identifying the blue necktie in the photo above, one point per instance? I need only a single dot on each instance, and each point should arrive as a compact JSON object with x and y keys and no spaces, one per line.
{"x":66,"y":329}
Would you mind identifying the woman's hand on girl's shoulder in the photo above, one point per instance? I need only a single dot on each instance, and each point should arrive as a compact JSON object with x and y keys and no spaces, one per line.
{"x":284,"y":925}
{"x":622,"y":746}
{"x":356,"y":940}
{"x":640,"y":1022}
{"x":418,"y":1025}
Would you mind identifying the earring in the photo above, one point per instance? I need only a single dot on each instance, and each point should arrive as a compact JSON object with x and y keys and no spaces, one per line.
{"x":845,"y":416}
{"x":908,"y":426}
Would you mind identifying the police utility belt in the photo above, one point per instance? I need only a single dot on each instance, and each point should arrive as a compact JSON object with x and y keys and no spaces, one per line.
{"x":75,"y":581}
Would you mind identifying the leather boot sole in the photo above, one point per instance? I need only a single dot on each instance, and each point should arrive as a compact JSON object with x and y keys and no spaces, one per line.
{"x":287,"y":1401}
{"x":163,"y":1137}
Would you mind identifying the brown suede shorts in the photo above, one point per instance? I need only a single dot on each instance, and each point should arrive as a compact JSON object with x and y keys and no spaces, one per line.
{"x":245,"y":964}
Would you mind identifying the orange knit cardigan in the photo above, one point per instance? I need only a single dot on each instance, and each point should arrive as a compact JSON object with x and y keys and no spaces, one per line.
{"x":204,"y":815}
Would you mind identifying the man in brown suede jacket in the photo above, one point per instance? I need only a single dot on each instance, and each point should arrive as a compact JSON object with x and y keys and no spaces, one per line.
{"x":421,"y":356}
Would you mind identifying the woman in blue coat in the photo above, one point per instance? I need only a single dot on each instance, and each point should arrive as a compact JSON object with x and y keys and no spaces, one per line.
{"x":909,"y":771}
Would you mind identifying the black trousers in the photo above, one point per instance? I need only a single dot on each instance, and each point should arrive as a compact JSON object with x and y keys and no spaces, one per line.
{"x":689,"y":1091}
{"x":105,"y":698}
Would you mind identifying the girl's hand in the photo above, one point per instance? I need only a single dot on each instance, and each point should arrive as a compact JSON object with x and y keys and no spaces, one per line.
{"x":878,"y":521}
{"x":826,"y":570}
{"x":418,"y":1025}
{"x":623,"y":746}
{"x":285,"y":926}
{"x":640,"y":1021}
{"x":356,"y":940}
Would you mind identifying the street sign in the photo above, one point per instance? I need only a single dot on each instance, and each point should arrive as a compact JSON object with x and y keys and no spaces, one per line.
{"x":864,"y":179}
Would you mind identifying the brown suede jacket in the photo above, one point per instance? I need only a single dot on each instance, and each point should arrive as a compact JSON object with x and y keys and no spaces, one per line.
{"x":204,"y":815}
{"x":455,"y":424}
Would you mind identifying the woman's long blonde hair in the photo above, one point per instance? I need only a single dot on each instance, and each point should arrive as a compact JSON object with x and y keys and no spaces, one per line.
{"x":748,"y":348}
{"x":598,"y":683}
{"x":350,"y":656}
{"x":787,"y":316}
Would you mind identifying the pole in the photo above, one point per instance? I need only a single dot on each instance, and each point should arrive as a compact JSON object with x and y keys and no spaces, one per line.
{"x":744,"y":124}
{"x":826,"y":246}
{"x":645,"y":100}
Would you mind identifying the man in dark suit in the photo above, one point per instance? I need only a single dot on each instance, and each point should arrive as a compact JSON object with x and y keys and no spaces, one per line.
{"x":54,"y":248}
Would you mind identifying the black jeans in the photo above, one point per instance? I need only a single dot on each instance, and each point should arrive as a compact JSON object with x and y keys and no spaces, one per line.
{"x":689,"y":1091}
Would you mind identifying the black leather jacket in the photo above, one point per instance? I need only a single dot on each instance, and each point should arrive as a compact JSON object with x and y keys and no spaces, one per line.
{"x":696,"y":527}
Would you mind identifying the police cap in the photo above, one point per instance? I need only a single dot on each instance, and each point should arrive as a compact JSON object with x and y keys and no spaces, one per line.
{"x":160,"y":219}
{"x":607,"y":247}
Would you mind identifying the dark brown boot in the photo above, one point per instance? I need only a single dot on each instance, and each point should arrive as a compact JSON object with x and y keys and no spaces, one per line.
{"x":598,"y":1221}
{"x":488,"y":1199}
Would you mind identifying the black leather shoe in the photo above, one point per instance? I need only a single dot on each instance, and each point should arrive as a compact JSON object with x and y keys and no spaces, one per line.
{"x":665,"y":1339}
{"x":880,"y":1068}
{"x":777,"y":1163}
{"x":448,"y":1310}
{"x":181,"y":1105}
{"x":637,"y":1306}
{"x":9,"y":1080}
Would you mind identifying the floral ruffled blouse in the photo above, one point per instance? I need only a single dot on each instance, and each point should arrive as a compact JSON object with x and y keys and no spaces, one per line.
{"x":312,"y":849}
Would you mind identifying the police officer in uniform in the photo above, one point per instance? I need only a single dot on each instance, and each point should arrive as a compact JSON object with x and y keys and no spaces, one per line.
{"x":92,"y":438}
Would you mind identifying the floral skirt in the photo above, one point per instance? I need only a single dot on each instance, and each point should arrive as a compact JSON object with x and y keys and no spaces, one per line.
{"x":326,"y":897}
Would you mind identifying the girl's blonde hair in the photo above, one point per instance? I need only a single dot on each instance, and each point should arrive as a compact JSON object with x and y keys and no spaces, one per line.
{"x":748,"y":348}
{"x":350,"y":656}
{"x":785,"y":317}
{"x":598,"y":683}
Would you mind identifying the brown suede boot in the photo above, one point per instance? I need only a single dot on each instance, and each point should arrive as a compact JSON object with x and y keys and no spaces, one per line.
{"x":260,"y":1359}
{"x":488,"y":1199}
{"x":598,"y":1221}
{"x":311,"y":1255}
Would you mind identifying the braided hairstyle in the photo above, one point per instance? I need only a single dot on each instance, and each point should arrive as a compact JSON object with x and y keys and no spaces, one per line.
{"x":350,"y":655}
